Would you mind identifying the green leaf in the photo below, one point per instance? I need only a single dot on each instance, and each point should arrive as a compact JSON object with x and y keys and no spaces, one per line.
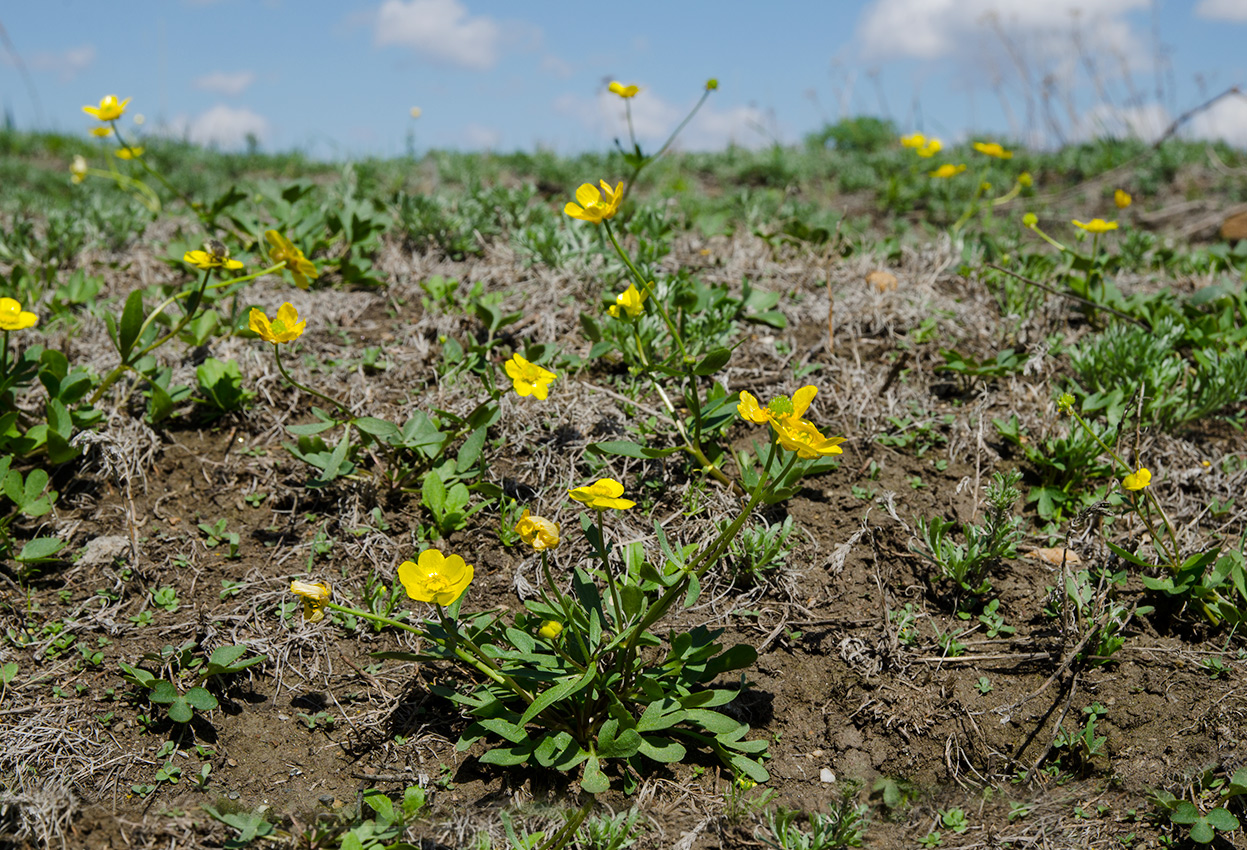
{"x":661,"y":749}
{"x":750,"y":768}
{"x":694,"y":590}
{"x":559,"y":692}
{"x":375,"y":427}
{"x":1128,"y":556}
{"x":433,"y":492}
{"x":622,"y":745}
{"x":623,"y":448}
{"x":510,"y":756}
{"x":180,"y":711}
{"x":40,"y":549}
{"x":201,"y":699}
{"x":1222,"y":819}
{"x":594,"y":780}
{"x":1202,"y":832}
{"x":470,"y":451}
{"x":712,"y":362}
{"x":131,"y":323}
{"x":310,"y":428}
{"x":1185,"y":812}
{"x":162,"y":691}
{"x":224,"y":656}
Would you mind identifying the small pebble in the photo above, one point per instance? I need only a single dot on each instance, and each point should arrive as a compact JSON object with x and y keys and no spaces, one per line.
{"x":826,"y":776}
{"x":326,"y":799}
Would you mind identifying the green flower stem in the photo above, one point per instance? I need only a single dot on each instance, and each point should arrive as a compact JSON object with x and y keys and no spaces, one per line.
{"x":645,"y":161}
{"x":692,"y":443}
{"x":1050,"y":240}
{"x":973,"y":206}
{"x":154,"y":173}
{"x":1172,"y":554}
{"x":376,"y":618}
{"x":147,"y":196}
{"x":4,"y":357}
{"x":116,"y":373}
{"x":281,"y":368}
{"x":698,"y":566}
{"x":604,"y":557}
{"x":560,"y":838}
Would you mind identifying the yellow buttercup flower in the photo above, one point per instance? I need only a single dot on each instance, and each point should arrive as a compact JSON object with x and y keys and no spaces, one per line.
{"x":128,"y":153}
{"x":109,"y":109}
{"x":282,"y":250}
{"x":1096,"y":225}
{"x":948,"y":170}
{"x":1122,"y":199}
{"x":550,"y":629}
{"x":538,"y":532}
{"x":602,"y":494}
{"x":629,"y":301}
{"x":13,"y":317}
{"x":314,"y":595}
{"x":435,"y":578}
{"x":751,"y":411}
{"x":931,"y":148}
{"x":993,"y":149}
{"x":284,"y":328}
{"x":528,"y":378}
{"x":800,"y":436}
{"x":214,"y":256}
{"x":1137,"y":480}
{"x":593,"y":205}
{"x":623,"y":91}
{"x":914,"y":140}
{"x":1025,"y":179}
{"x":101,"y":132}
{"x":78,"y":169}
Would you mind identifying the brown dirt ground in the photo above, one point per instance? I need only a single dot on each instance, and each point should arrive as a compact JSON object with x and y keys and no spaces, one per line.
{"x":834,"y":689}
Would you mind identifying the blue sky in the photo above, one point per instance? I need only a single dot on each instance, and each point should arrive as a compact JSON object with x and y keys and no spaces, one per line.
{"x":338,"y":79}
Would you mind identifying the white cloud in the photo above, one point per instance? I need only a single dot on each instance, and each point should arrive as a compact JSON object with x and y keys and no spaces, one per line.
{"x":441,"y":30}
{"x":67,"y":63}
{"x":224,"y":82}
{"x":653,"y":119}
{"x":1226,"y":119}
{"x":1144,"y":122}
{"x":1222,"y":10}
{"x":933,"y":29}
{"x":221,"y":126}
{"x":480,"y":136}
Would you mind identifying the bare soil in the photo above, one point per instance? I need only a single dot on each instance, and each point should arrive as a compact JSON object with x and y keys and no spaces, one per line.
{"x":841,"y":691}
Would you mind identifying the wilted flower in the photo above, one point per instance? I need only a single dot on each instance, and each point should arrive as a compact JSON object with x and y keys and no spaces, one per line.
{"x":282,"y":250}
{"x":1137,"y":480}
{"x":435,"y":578}
{"x":314,"y":595}
{"x":13,"y":317}
{"x":128,"y":152}
{"x":78,"y":169}
{"x":623,"y":91}
{"x":993,"y":149}
{"x":214,"y":256}
{"x":284,"y":328}
{"x":629,"y":301}
{"x":1065,"y":403}
{"x":1122,"y":199}
{"x":550,"y":629}
{"x":948,"y":170}
{"x":109,"y":109}
{"x":538,"y":532}
{"x":528,"y":378}
{"x":593,"y":205}
{"x":602,"y":494}
{"x":1096,"y":225}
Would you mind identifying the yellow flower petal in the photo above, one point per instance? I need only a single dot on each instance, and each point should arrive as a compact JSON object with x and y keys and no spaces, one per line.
{"x":1137,"y":480}
{"x":550,"y":629}
{"x":538,"y":532}
{"x":13,"y":317}
{"x":285,"y":328}
{"x":109,"y":109}
{"x":528,"y":378}
{"x":1122,"y":199}
{"x":602,"y":494}
{"x":314,"y":595}
{"x":435,"y":578}
{"x":1096,"y":225}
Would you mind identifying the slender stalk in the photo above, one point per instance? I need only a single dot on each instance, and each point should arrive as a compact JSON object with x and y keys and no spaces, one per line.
{"x":281,"y":368}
